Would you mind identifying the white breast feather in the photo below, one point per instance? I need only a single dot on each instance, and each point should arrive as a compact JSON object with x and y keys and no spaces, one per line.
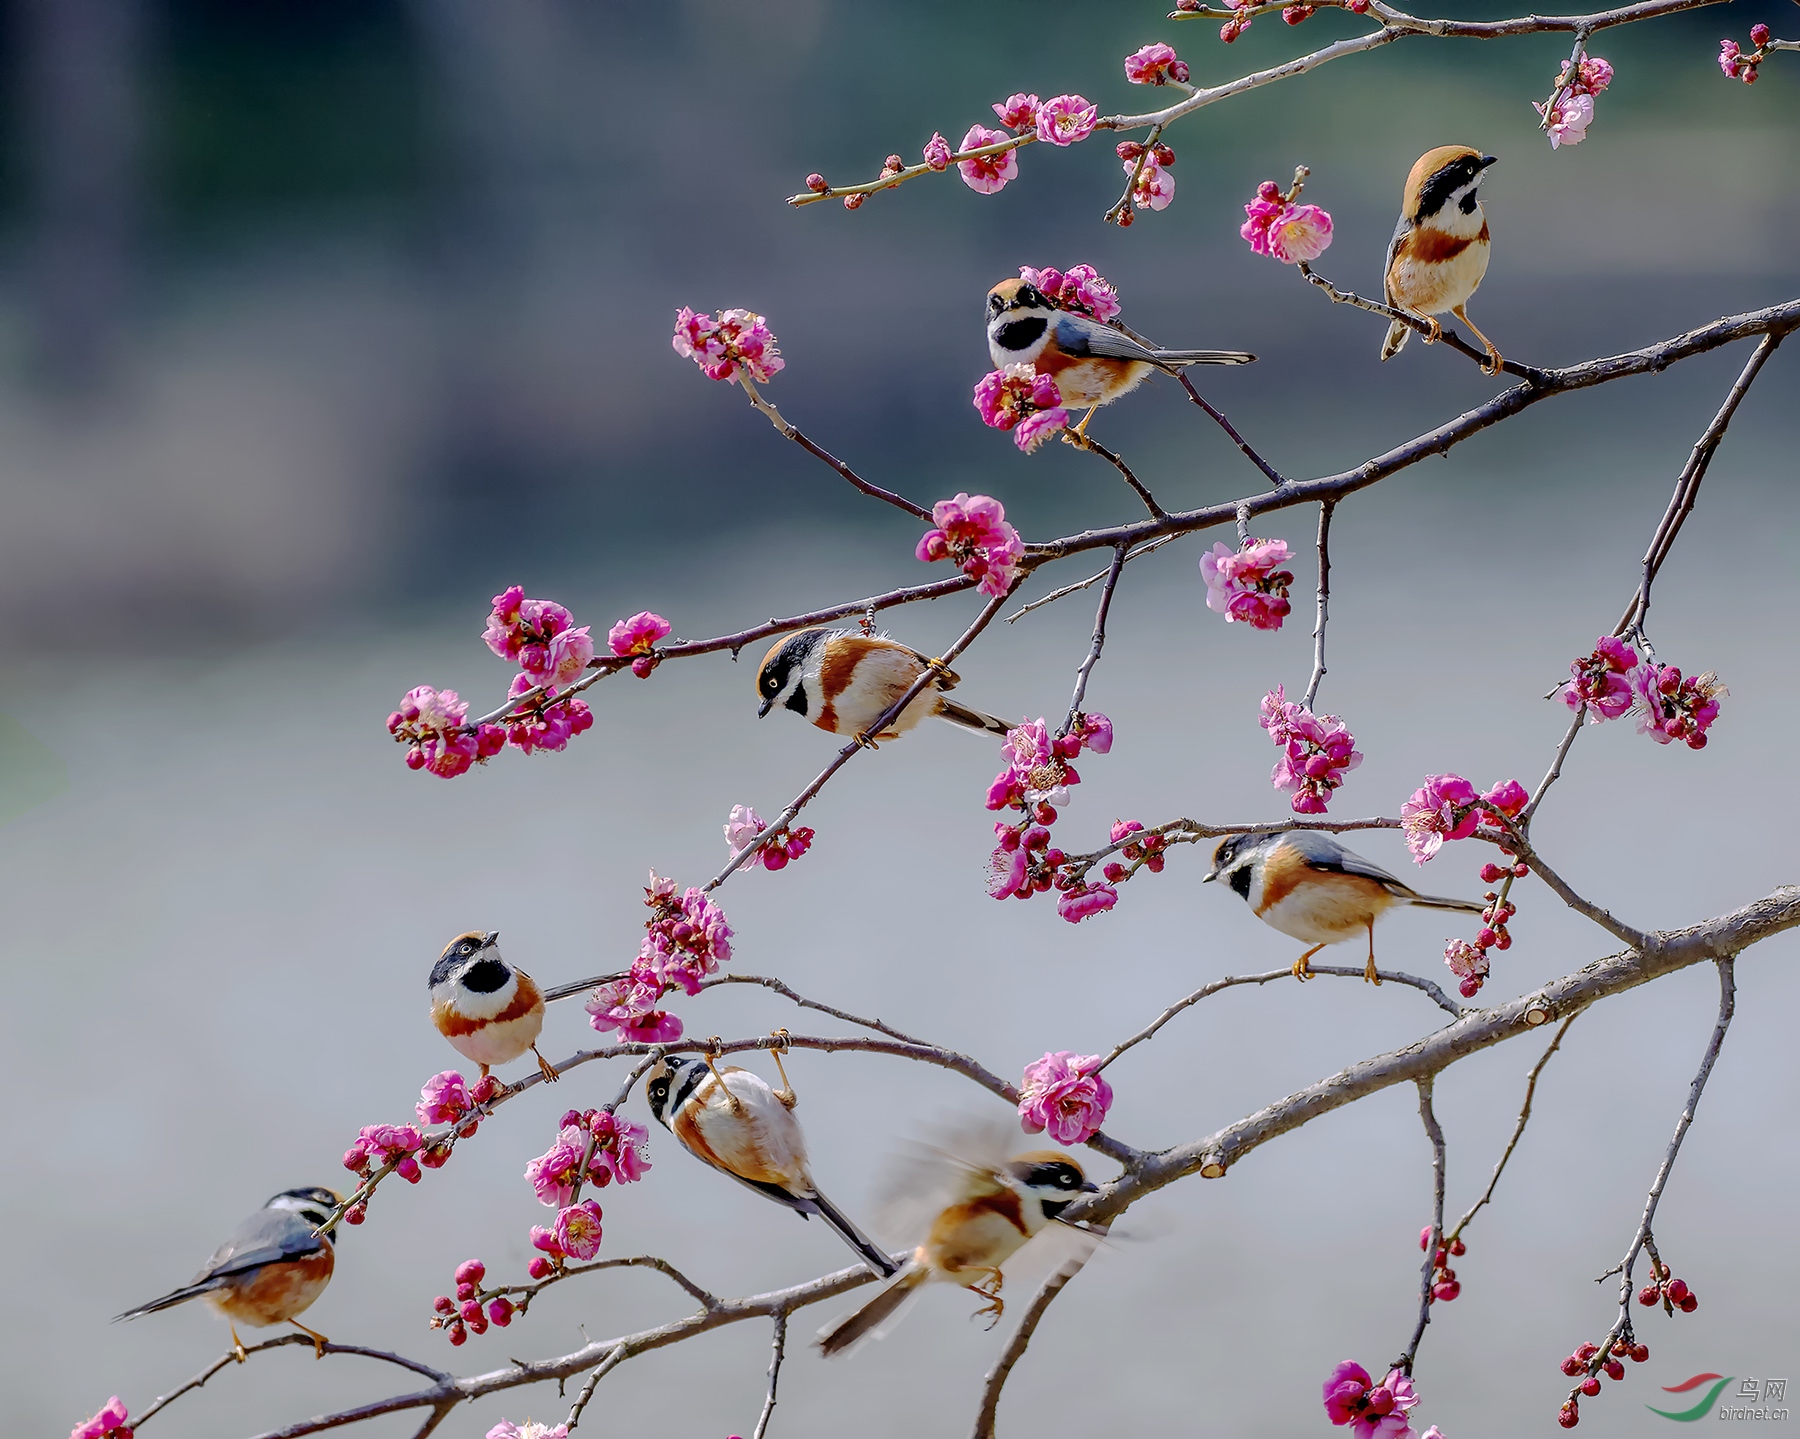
{"x":765,"y":1135}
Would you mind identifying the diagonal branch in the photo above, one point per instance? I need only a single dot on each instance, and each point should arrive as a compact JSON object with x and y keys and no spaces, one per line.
{"x":1085,"y":442}
{"x":1015,"y":1347}
{"x":1098,"y":643}
{"x":1318,"y":634}
{"x":775,"y":419}
{"x":1435,"y":1133}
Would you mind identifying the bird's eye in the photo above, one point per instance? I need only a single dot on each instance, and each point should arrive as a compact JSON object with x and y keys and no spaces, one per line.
{"x":1067,"y":1181}
{"x":995,"y":303}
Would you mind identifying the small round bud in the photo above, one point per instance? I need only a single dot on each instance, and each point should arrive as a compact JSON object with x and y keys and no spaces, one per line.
{"x":1054,"y":856}
{"x":1424,"y":1236}
{"x":1490,"y":873}
{"x":444,"y":1304}
{"x":1520,"y":870}
{"x":1587,"y":1351}
{"x":356,"y":1159}
{"x":894,"y":162}
{"x":458,"y":1334}
{"x":1504,"y":941}
{"x":1179,"y":72}
{"x":1639,"y":1353}
{"x":1447,"y":1291}
{"x":1114,"y":873}
{"x":1614,"y":1369}
{"x":479,"y":1323}
{"x":540,"y":1267}
{"x":471,"y":1271}
{"x":816,"y":183}
{"x":1457,"y":1247}
{"x":1164,"y":155}
{"x":1677,"y":1290}
{"x":1620,"y":1348}
{"x":1648,"y":1295}
{"x":471,"y":1311}
{"x":465,"y":1290}
{"x":501,"y":1311}
{"x":356,"y":1213}
{"x":1128,"y":149}
{"x":1470,"y":987}
{"x":1569,"y":1416}
{"x":1126,"y":219}
{"x":1188,"y":4}
{"x":1759,"y":35}
{"x":1590,"y":1386}
{"x":1486,"y":939}
{"x":851,"y":202}
{"x":1045,"y":814}
{"x":1689,"y":1305}
{"x":1571,"y":1366}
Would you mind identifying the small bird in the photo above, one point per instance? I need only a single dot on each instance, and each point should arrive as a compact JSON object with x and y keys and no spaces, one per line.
{"x":731,"y":1119}
{"x":844,"y":681}
{"x":489,"y":1010}
{"x":1440,"y":247}
{"x":271,"y":1269}
{"x":1307,"y":885}
{"x":990,"y":1209}
{"x":1091,"y":362}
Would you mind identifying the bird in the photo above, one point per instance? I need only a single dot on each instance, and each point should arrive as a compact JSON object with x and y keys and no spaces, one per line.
{"x":489,"y":1010}
{"x":843,"y":681}
{"x":1308,"y":886}
{"x":986,"y":1209}
{"x":1093,"y":363}
{"x":1439,"y":251}
{"x":273,"y":1268}
{"x":732,"y":1120}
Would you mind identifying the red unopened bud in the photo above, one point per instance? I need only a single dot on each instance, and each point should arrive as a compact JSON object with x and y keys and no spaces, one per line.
{"x":1457,"y":1247}
{"x":501,"y":1311}
{"x":1446,"y":1292}
{"x":1114,"y":873}
{"x":1486,"y":938}
{"x":465,"y":1290}
{"x":1045,"y":814}
{"x":1490,"y":873}
{"x":1587,"y":1351}
{"x":1520,"y":870}
{"x":1179,"y":72}
{"x":1128,"y":149}
{"x":1424,"y":1236}
{"x":894,"y":162}
{"x":1164,"y":155}
{"x":816,"y":183}
{"x":1620,"y":1348}
{"x":851,"y":202}
{"x":356,"y":1213}
{"x":1677,"y":1290}
{"x":1504,"y":941}
{"x":1590,"y":1386}
{"x":1054,"y":856}
{"x":1614,"y":1369}
{"x":471,"y":1311}
{"x":1639,"y":1353}
{"x":1689,"y":1305}
{"x":540,"y":1267}
{"x":1126,"y":218}
{"x":1569,"y":1416}
{"x":1648,"y":1295}
{"x":356,"y":1159}
{"x":471,"y":1271}
{"x":1571,"y":1366}
{"x":458,"y":1334}
{"x":1759,"y":35}
{"x":444,"y":1304}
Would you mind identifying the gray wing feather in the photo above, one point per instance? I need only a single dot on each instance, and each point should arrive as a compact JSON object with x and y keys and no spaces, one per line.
{"x":1324,"y":852}
{"x":265,"y":1238}
{"x":1079,"y":336}
{"x":1387,"y":263}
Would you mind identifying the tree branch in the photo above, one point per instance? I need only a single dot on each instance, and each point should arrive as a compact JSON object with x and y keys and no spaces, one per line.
{"x":1318,"y":635}
{"x":1015,"y":1346}
{"x":775,"y":419}
{"x":1434,"y":1132}
{"x":777,"y":1347}
{"x":1099,"y":641}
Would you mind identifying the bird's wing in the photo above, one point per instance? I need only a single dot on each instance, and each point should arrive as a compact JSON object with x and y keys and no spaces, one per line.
{"x":1387,"y":264}
{"x":957,"y":1159}
{"x":1323,"y":852}
{"x":1080,"y":336}
{"x":271,"y":1235}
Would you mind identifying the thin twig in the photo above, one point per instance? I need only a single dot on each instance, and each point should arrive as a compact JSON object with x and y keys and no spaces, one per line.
{"x":768,"y":982}
{"x":1088,"y":583}
{"x":1554,"y":773}
{"x":1318,"y":669}
{"x":777,"y":1347}
{"x":1275,"y":476}
{"x":1098,"y":643}
{"x":601,"y":1370}
{"x":1434,"y":1132}
{"x":1015,"y":1346}
{"x":1086,"y":442}
{"x":775,"y":418}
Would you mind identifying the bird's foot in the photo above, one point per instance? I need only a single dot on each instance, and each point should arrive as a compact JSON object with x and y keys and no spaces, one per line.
{"x":1491,"y":365}
{"x":237,"y":1347}
{"x":319,"y":1341}
{"x":1369,"y":973}
{"x":786,"y":1093}
{"x":989,"y":1290}
{"x":1302,"y":968}
{"x":545,"y":1067}
{"x":714,"y":1047}
{"x":1436,"y":332}
{"x":865,"y":739}
{"x":948,"y":678}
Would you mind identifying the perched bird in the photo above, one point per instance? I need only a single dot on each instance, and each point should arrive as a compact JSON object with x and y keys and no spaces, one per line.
{"x":1309,"y":886}
{"x":1440,"y":247}
{"x":490,"y":1011}
{"x":986,"y":1209}
{"x":271,"y":1269}
{"x":731,"y":1119}
{"x":844,"y":681}
{"x":1091,"y":362}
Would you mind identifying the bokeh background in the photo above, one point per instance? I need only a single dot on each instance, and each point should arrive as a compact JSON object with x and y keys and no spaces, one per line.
{"x":321,"y":322}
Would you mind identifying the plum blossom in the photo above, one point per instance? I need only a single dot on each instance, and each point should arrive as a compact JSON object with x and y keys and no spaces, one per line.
{"x":638,"y":636}
{"x":745,"y":824}
{"x":553,"y":1173}
{"x":1673,"y":708}
{"x":1009,"y":870}
{"x":937,"y":152}
{"x":1155,"y":64}
{"x":737,"y":340}
{"x":1444,"y":807}
{"x":1064,"y":1094}
{"x":1735,"y":64}
{"x":1235,"y":27}
{"x":1034,"y":429}
{"x":619,"y":1145}
{"x":548,"y":722}
{"x":1065,"y":119}
{"x":1154,"y":188}
{"x":1079,"y":288}
{"x":972,"y":531}
{"x":685,"y":939}
{"x":1007,"y":399}
{"x":1018,"y":112}
{"x":1037,"y":767}
{"x":987,"y":174}
{"x":539,"y":636}
{"x":1601,"y":680}
{"x":109,"y":1423}
{"x":629,"y":1005}
{"x":1289,"y":233}
{"x":1468,"y":962}
{"x":578,"y":1230}
{"x":1317,"y":751}
{"x":434,"y":724}
{"x":1375,"y":1411}
{"x":1248,"y":584}
{"x":1083,"y":900}
{"x":1568,"y":119}
{"x":444,"y":1098}
{"x":1594,"y":74}
{"x":506,"y":1429}
{"x":1095,"y":732}
{"x":1507,"y":798}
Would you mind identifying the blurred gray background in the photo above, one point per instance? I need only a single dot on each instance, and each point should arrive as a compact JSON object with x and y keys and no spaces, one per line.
{"x":323,"y":322}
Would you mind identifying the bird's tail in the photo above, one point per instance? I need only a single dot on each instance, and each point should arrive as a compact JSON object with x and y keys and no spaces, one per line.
{"x":972,"y":719}
{"x":871,"y":1252}
{"x":1179,"y":359}
{"x":839,"y":1335}
{"x":171,"y":1299}
{"x":1395,"y":341}
{"x":1437,"y":901}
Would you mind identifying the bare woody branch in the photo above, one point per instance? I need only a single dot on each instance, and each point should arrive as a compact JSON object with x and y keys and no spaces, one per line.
{"x":1435,"y":1133}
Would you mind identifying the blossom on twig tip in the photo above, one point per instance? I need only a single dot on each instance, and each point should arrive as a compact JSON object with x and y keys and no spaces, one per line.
{"x":738,"y":339}
{"x":506,"y":1429}
{"x":987,"y":174}
{"x":1065,"y":119}
{"x":937,"y":152}
{"x":1247,"y":584}
{"x":539,"y":636}
{"x":1154,"y":187}
{"x":444,"y":1098}
{"x":109,"y":1423}
{"x":1064,"y":1095}
{"x":1084,"y":900}
{"x":1468,"y":962}
{"x":1318,"y":751}
{"x":1155,"y":64}
{"x":432,"y":723}
{"x":1601,"y":680}
{"x":1672,"y":708}
{"x":1016,"y":112}
{"x":972,"y":531}
{"x":1568,"y":119}
{"x":578,"y":1230}
{"x":1289,"y":233}
{"x":1376,"y":1411}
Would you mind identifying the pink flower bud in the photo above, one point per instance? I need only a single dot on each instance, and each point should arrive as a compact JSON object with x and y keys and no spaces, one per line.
{"x":408,"y":1169}
{"x":1590,"y":1386}
{"x":1648,"y":1295}
{"x":471,"y":1271}
{"x":458,"y":1334}
{"x":501,"y":1311}
{"x":1571,"y":1366}
{"x":1614,"y":1369}
{"x":356,"y":1213}
{"x":356,"y":1158}
{"x":1677,"y":1290}
{"x":816,"y":183}
{"x":444,"y":1304}
{"x":465,"y":1290}
{"x":470,"y":1312}
{"x":540,"y":1267}
{"x":1689,"y":1305}
{"x":1759,"y":35}
{"x":854,"y":202}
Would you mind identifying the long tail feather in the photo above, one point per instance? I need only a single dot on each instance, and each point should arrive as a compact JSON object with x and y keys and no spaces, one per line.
{"x":1395,"y":341}
{"x":839,"y":1335}
{"x":972,"y":719}
{"x":871,"y":1252}
{"x":170,"y":1300}
{"x":1435,"y":901}
{"x":1179,"y":358}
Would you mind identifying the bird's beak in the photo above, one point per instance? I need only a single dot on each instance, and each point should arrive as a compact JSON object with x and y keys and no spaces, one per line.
{"x":1487,"y":160}
{"x":762,"y":710}
{"x":1208,"y":879}
{"x":491,"y":938}
{"x":1089,"y":1187}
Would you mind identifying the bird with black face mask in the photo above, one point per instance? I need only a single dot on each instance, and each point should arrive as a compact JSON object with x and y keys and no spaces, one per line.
{"x":270,"y":1270}
{"x":489,"y":1010}
{"x":730,"y":1119}
{"x":842,"y":682}
{"x":1309,"y":887}
{"x":1439,"y":252}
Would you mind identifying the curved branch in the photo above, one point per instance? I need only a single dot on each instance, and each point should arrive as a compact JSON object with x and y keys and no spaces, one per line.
{"x":1015,"y":1346}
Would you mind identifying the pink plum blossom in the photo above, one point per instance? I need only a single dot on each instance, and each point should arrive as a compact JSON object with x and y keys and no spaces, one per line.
{"x":1444,"y":807}
{"x":1730,"y":59}
{"x":1084,"y":900}
{"x":1376,"y":1411}
{"x":1593,"y":75}
{"x":1008,"y":869}
{"x":1155,"y":64}
{"x":578,"y":1230}
{"x":506,"y":1429}
{"x":987,"y":174}
{"x":553,"y":1173}
{"x":1004,"y":397}
{"x":109,"y":1423}
{"x":1507,"y":798}
{"x":1095,"y":731}
{"x":1248,"y":584}
{"x":548,"y":723}
{"x":1299,"y":232}
{"x":444,"y":1098}
{"x":1601,"y":680}
{"x":737,"y":340}
{"x":637,"y":636}
{"x":620,"y":1145}
{"x":1154,"y":188}
{"x":1017,"y":112}
{"x":937,"y":152}
{"x":1065,"y":119}
{"x":629,"y":1005}
{"x":685,"y":939}
{"x":1034,"y":429}
{"x":1468,"y":962}
{"x":972,"y":531}
{"x":1064,"y":1094}
{"x":744,"y":825}
{"x":433,"y":723}
{"x":1317,"y":751}
{"x":1079,"y":288}
{"x":1262,"y":212}
{"x":539,"y":636}
{"x":1569,"y":118}
{"x":1673,"y":708}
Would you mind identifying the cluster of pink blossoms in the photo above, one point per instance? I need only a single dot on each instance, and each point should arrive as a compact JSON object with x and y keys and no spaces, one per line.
{"x":1289,"y":232}
{"x":1079,"y":288}
{"x":1059,"y":121}
{"x":972,"y":531}
{"x":1444,"y":1283}
{"x":1317,"y":752}
{"x":433,"y":724}
{"x":1146,"y":852}
{"x":109,"y":1423}
{"x":1155,"y":64}
{"x":686,"y":938}
{"x":1249,"y":584}
{"x":1612,"y":679}
{"x":1019,"y":399}
{"x":1572,"y":112}
{"x":1154,"y":187}
{"x":1064,"y":1094}
{"x":637,"y":638}
{"x":401,"y":1145}
{"x":739,"y":340}
{"x":1374,"y":1411}
{"x":746,"y":824}
{"x":448,"y":1099}
{"x":506,"y":1429}
{"x":1446,"y":806}
{"x":539,"y":636}
{"x":617,"y":1152}
{"x":1739,"y":66}
{"x":1035,"y":781}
